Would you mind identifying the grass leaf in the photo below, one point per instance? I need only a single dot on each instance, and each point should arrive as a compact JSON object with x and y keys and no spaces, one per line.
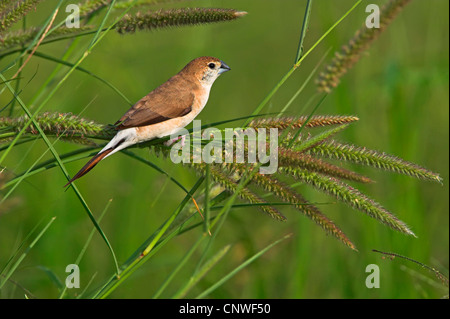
{"x":239,"y":268}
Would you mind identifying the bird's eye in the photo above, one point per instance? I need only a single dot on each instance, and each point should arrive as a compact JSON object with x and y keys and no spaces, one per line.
{"x":211,"y":65}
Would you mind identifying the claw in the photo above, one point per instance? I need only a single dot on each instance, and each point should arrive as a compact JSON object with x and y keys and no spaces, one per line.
{"x":170,"y":142}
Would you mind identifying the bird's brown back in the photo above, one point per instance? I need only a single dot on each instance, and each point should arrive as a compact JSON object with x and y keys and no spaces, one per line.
{"x":172,"y":99}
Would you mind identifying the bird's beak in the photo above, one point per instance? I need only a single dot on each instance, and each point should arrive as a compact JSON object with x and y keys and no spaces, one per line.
{"x":224,"y":67}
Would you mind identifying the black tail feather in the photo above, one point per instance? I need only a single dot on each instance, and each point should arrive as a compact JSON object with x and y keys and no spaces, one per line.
{"x":90,"y":165}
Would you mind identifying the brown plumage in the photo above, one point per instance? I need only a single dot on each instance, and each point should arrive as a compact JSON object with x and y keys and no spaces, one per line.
{"x":165,"y":110}
{"x":154,"y":107}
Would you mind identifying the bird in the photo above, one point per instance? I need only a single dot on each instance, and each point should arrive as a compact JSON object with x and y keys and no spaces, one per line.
{"x":165,"y":110}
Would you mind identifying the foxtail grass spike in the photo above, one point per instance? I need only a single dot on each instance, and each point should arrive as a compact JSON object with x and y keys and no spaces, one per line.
{"x":380,"y":160}
{"x":350,"y":196}
{"x":22,"y":37}
{"x":294,"y":160}
{"x":271,"y":184}
{"x":282,"y":123}
{"x":229,"y":184}
{"x":284,"y":192}
{"x":89,"y":7}
{"x":351,"y":52}
{"x":67,"y":124}
{"x":14,"y":11}
{"x":175,"y":17}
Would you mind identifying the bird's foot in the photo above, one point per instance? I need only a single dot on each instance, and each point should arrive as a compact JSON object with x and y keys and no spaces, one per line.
{"x":170,"y":142}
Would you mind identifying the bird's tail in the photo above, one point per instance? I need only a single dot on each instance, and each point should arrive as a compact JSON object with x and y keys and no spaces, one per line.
{"x":122,"y":140}
{"x":91,"y":164}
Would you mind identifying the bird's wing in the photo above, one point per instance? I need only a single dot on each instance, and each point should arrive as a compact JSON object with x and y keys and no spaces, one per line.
{"x":162,"y":104}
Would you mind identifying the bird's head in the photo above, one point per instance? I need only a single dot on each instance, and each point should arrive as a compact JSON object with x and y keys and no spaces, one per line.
{"x":205,"y":69}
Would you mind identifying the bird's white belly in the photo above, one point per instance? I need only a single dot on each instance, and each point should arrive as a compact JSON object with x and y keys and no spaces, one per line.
{"x":149,"y":132}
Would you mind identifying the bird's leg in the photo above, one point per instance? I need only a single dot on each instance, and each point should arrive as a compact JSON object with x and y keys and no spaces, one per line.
{"x":170,"y":142}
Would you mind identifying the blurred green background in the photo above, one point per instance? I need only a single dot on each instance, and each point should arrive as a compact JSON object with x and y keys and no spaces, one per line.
{"x":399,"y":90}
